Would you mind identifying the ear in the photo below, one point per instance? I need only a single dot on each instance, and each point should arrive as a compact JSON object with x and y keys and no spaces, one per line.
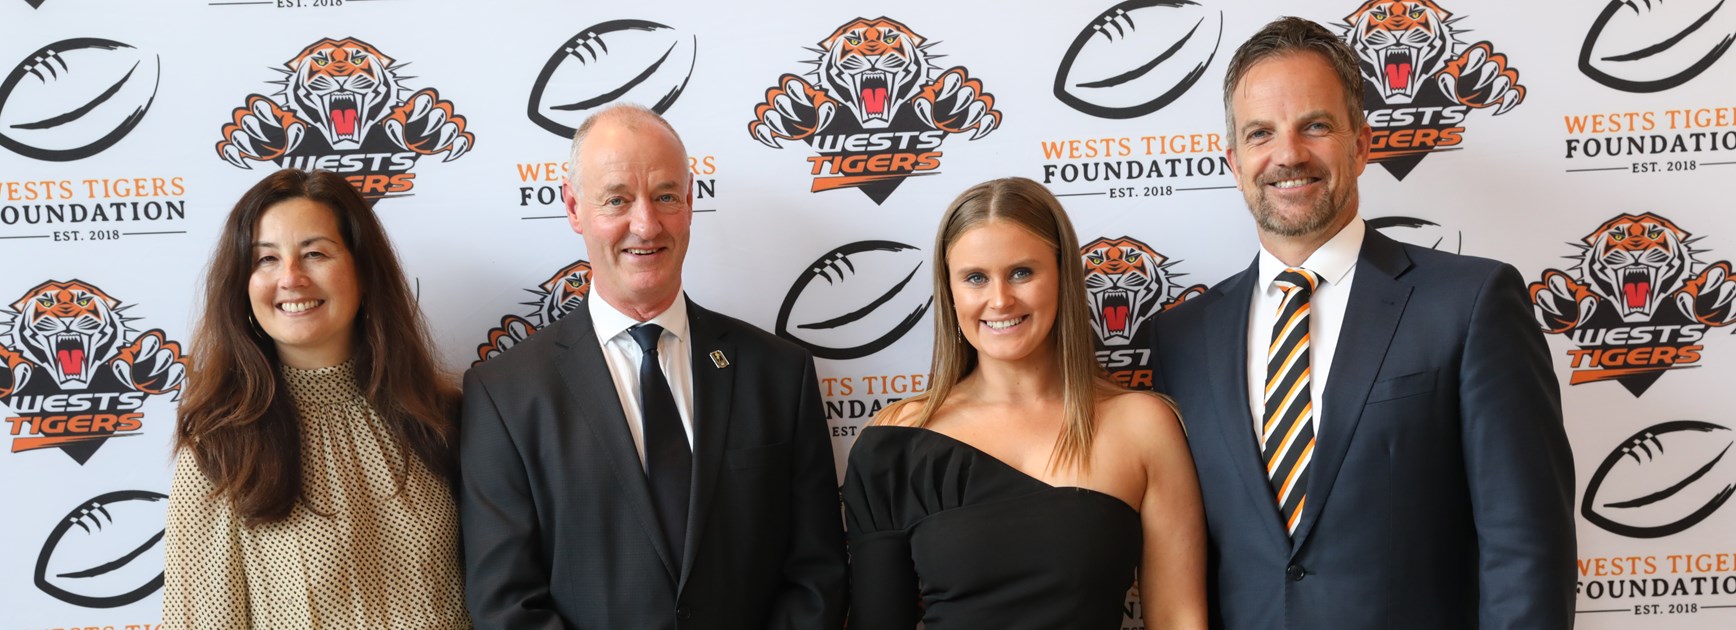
{"x":570,"y":199}
{"x":1364,"y":145}
{"x":1235,"y":170}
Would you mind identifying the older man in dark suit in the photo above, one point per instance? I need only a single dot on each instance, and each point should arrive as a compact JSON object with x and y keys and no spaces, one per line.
{"x":1377,"y":427}
{"x":646,"y":463}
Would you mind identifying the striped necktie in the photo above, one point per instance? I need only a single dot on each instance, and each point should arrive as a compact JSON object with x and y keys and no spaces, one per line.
{"x":1287,"y":425}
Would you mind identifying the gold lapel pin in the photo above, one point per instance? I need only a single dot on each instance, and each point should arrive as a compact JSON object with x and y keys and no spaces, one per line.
{"x":718,"y":359}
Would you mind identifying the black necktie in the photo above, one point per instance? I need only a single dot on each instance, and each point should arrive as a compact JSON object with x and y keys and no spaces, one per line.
{"x":668,"y":458}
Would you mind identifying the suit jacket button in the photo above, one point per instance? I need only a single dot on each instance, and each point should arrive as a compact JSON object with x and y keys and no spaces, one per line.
{"x":1295,"y":573}
{"x":683,"y":613}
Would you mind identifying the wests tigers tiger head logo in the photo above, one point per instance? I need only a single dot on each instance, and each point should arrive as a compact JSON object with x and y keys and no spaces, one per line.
{"x":343,"y":87}
{"x":1401,"y":44}
{"x":564,"y":292}
{"x":873,"y":67}
{"x":68,"y":327}
{"x":1636,"y":262}
{"x":1126,"y":284}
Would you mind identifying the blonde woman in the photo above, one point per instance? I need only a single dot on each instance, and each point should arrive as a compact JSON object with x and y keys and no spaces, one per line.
{"x":1024,"y":489}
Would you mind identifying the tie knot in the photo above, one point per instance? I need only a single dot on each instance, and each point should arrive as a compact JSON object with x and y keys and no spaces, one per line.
{"x":1295,"y":278}
{"x":646,"y":335}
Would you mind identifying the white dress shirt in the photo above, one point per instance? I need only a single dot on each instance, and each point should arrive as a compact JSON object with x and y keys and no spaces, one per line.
{"x":622,"y":353}
{"x":1335,"y":264}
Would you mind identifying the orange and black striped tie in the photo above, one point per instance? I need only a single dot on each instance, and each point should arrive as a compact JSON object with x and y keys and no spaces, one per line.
{"x":1287,"y":426}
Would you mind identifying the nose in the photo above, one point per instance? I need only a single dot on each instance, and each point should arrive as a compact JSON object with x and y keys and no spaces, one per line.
{"x":1000,"y":295}
{"x":1287,"y":150}
{"x":294,"y":273}
{"x":643,"y":218}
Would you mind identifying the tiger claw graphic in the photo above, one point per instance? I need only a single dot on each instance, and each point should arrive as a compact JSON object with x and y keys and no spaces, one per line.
{"x":512,"y":331}
{"x":152,"y":364}
{"x":1562,"y":304}
{"x":14,"y":371}
{"x":794,"y":110}
{"x":262,"y":131}
{"x":1185,"y":295}
{"x":1709,"y":297}
{"x":425,"y":124}
{"x":956,"y":103}
{"x":1480,"y":78}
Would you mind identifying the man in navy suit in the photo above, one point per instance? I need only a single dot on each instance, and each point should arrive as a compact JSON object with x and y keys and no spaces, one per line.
{"x":1376,"y":425}
{"x":645,"y":462}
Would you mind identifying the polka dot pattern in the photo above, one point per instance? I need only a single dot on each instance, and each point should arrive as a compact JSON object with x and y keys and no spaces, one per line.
{"x":356,"y":552}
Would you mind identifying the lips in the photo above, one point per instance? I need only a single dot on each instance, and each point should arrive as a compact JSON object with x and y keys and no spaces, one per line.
{"x":300,"y":306}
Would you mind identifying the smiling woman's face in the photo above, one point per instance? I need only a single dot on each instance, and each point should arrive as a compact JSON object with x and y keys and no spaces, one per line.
{"x":303,"y":289}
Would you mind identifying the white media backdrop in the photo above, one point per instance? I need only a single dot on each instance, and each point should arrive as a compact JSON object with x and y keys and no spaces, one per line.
{"x":1583,"y":142}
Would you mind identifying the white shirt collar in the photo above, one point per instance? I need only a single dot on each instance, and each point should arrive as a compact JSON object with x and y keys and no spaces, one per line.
{"x":1332,"y":261}
{"x":610,"y":322}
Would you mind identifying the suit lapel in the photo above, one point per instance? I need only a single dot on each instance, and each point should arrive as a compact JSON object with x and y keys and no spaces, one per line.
{"x":590,"y":388}
{"x":1377,"y":300}
{"x":1227,"y":321}
{"x":713,"y":400}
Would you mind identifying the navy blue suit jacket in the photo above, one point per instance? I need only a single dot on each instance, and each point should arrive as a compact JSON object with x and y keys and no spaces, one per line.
{"x":1441,"y":488}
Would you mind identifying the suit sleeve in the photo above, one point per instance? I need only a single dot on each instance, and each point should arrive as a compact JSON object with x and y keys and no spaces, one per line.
{"x":1156,"y":359}
{"x":1518,"y":462}
{"x":506,"y":575}
{"x":815,"y":588}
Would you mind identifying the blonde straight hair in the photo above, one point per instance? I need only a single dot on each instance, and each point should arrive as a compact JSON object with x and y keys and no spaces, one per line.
{"x":1029,"y":205}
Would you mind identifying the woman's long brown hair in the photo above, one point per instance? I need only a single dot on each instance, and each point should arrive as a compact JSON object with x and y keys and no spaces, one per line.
{"x":1029,"y":205}
{"x":237,"y":416}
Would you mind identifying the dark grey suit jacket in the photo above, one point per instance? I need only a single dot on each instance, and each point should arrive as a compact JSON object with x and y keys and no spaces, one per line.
{"x":559,"y":528}
{"x":1441,"y":489}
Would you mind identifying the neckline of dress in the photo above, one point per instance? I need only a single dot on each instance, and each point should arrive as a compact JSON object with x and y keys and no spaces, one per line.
{"x":1003,"y":464}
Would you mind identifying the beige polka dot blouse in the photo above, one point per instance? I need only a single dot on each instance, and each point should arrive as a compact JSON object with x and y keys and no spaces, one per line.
{"x":354,"y":552}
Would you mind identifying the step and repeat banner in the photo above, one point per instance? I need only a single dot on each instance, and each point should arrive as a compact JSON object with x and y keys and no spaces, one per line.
{"x":1588,"y":143}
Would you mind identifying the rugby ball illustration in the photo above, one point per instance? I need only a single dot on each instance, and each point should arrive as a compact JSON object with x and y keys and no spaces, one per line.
{"x":622,"y":60}
{"x":1419,"y":232}
{"x":1651,"y":45}
{"x":74,"y":98}
{"x":1138,"y":57}
{"x":107,"y":552}
{"x":1663,"y":480}
{"x":857,"y":299}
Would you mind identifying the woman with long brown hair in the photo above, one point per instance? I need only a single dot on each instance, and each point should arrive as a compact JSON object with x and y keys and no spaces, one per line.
{"x":314,"y":445}
{"x":1024,"y":489}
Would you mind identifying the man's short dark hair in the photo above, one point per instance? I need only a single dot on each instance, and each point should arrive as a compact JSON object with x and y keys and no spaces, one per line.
{"x":1290,"y":36}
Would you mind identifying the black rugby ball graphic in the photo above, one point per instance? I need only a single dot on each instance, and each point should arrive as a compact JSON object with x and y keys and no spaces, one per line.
{"x":74,"y":98}
{"x":856,"y":300}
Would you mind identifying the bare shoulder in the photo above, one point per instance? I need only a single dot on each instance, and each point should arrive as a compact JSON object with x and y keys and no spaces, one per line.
{"x":1140,"y":418}
{"x":903,"y":413}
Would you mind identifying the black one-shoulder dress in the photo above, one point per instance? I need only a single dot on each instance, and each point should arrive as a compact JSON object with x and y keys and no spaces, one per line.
{"x":982,"y":544}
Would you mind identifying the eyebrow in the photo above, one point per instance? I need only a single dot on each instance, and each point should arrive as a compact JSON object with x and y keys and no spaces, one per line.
{"x":1309,"y":116}
{"x":1023,"y":262}
{"x":304,"y":243}
{"x":622,"y":187}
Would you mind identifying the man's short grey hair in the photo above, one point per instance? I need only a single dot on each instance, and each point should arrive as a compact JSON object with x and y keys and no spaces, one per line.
{"x":629,"y":114}
{"x":1289,"y":36}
